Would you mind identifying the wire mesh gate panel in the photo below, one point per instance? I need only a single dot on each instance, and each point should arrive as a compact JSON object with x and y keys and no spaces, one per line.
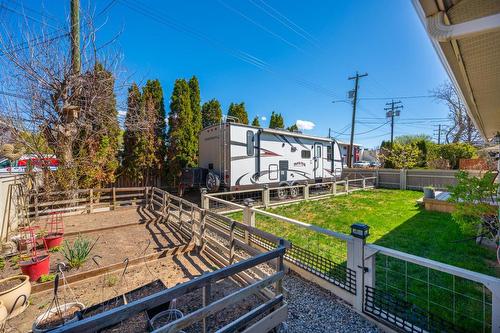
{"x":418,"y":298}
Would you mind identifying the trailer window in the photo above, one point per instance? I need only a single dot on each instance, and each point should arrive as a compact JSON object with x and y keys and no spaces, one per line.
{"x":305,"y":153}
{"x":329,"y":156}
{"x":250,"y":145}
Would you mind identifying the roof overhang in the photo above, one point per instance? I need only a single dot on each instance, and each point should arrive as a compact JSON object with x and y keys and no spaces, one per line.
{"x":466,"y":37}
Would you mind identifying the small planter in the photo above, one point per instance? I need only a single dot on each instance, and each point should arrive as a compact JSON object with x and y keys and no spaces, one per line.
{"x":53,"y":240}
{"x":36,"y":267}
{"x":14,"y":294}
{"x":429,"y":193}
{"x":3,"y":315}
{"x":165,"y":317}
{"x":70,"y":312}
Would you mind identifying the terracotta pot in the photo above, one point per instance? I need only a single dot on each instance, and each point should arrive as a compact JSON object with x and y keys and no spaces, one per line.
{"x":15,"y":299}
{"x":53,"y":240}
{"x":54,"y":311}
{"x":36,"y":267}
{"x":3,"y":315}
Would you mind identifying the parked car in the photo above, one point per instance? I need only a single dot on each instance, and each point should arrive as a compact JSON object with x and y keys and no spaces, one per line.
{"x":361,"y":164}
{"x":375,"y":164}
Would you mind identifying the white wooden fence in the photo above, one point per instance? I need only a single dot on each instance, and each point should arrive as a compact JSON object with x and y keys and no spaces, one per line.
{"x":403,"y":291}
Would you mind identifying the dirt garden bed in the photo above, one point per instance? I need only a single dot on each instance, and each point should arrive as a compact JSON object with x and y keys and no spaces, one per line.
{"x":171,"y":270}
{"x":141,"y":236}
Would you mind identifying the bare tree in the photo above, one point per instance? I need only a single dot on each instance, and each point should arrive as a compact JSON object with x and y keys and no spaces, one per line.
{"x":45,"y":104}
{"x":462,"y":128}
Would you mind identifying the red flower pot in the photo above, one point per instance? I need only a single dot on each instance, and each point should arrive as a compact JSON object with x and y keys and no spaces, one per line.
{"x":53,"y":240}
{"x":35,"y":267}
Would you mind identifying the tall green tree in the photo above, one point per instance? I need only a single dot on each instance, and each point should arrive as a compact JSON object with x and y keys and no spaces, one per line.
{"x":293,"y":128}
{"x":194,"y":94}
{"x":182,"y":149}
{"x":255,"y":121}
{"x":238,"y":111}
{"x":154,"y":106}
{"x":276,"y":121}
{"x":211,"y":113}
{"x":139,"y":138}
{"x":97,"y":148}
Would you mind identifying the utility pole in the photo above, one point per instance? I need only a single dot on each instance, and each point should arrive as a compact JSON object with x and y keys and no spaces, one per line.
{"x":329,"y":133}
{"x":393,"y":111}
{"x":354,"y":103}
{"x":439,"y":132}
{"x":75,"y":37}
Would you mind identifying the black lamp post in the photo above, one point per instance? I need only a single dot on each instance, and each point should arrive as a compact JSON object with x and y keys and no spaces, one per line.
{"x":360,"y":230}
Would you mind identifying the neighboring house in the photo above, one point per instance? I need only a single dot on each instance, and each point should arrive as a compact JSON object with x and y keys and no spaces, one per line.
{"x":344,"y":148}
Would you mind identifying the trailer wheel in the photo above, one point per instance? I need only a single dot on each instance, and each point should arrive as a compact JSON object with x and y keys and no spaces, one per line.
{"x":213,"y":182}
{"x":294,"y":192}
{"x":282,"y":193}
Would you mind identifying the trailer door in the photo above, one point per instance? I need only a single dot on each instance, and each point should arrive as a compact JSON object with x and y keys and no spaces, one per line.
{"x":318,"y":160}
{"x":283,"y":164}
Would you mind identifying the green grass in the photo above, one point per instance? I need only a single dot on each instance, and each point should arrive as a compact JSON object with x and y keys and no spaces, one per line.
{"x":397,"y":222}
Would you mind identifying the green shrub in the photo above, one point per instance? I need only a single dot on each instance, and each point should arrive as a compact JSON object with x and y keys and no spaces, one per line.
{"x":77,"y":253}
{"x":452,"y":152}
{"x":472,"y":197}
{"x":47,"y":278}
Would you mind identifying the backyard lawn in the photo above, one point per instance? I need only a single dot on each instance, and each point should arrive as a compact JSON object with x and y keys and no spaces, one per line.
{"x":395,"y":221}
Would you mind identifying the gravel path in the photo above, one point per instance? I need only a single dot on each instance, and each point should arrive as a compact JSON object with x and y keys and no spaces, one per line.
{"x":314,"y":309}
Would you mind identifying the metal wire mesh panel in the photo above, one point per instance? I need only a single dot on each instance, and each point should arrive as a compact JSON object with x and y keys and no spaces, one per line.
{"x":338,"y":274}
{"x":320,"y":189}
{"x":439,"y":296}
{"x":286,"y":193}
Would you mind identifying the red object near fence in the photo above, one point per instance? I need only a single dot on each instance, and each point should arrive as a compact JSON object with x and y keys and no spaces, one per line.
{"x":55,"y":231}
{"x":38,"y":263}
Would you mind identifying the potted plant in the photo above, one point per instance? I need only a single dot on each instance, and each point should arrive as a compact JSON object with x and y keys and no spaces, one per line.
{"x":14,"y":294}
{"x":35,"y":266}
{"x":429,"y":192}
{"x":54,"y":236}
{"x":57,"y":317}
{"x":3,"y":315}
{"x":37,"y":263}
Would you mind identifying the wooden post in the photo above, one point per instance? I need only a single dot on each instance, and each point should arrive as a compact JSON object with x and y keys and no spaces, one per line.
{"x":265,"y":196}
{"x":114,"y":198}
{"x":334,"y":188}
{"x":365,"y":274}
{"x":205,"y":300}
{"x":91,"y":201}
{"x":202,"y":230}
{"x":402,"y":179}
{"x":280,"y":267}
{"x":306,"y":192}
{"x":231,"y":243}
{"x":364,"y":183}
{"x":192,"y":222}
{"x":164,"y":204}
{"x":248,"y":217}
{"x":36,"y":204}
{"x":377,"y":178}
{"x":205,"y":202}
{"x":347,"y":185}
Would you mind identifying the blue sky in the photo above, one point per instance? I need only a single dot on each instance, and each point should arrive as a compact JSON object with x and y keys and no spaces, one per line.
{"x":302,"y":54}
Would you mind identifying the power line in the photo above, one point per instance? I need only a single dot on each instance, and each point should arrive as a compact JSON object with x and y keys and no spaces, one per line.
{"x":162,"y":18}
{"x":396,"y":97}
{"x":286,"y":22}
{"x":257,"y":24}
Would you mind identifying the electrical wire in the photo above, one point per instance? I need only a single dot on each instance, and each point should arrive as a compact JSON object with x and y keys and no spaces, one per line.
{"x":257,"y":24}
{"x":164,"y":19}
{"x":285,"y":21}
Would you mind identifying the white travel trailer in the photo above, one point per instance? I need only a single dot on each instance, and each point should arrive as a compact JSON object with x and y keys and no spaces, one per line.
{"x":235,"y":156}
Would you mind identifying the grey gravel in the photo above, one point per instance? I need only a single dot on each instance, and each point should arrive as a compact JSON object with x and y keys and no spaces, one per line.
{"x":314,"y":309}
